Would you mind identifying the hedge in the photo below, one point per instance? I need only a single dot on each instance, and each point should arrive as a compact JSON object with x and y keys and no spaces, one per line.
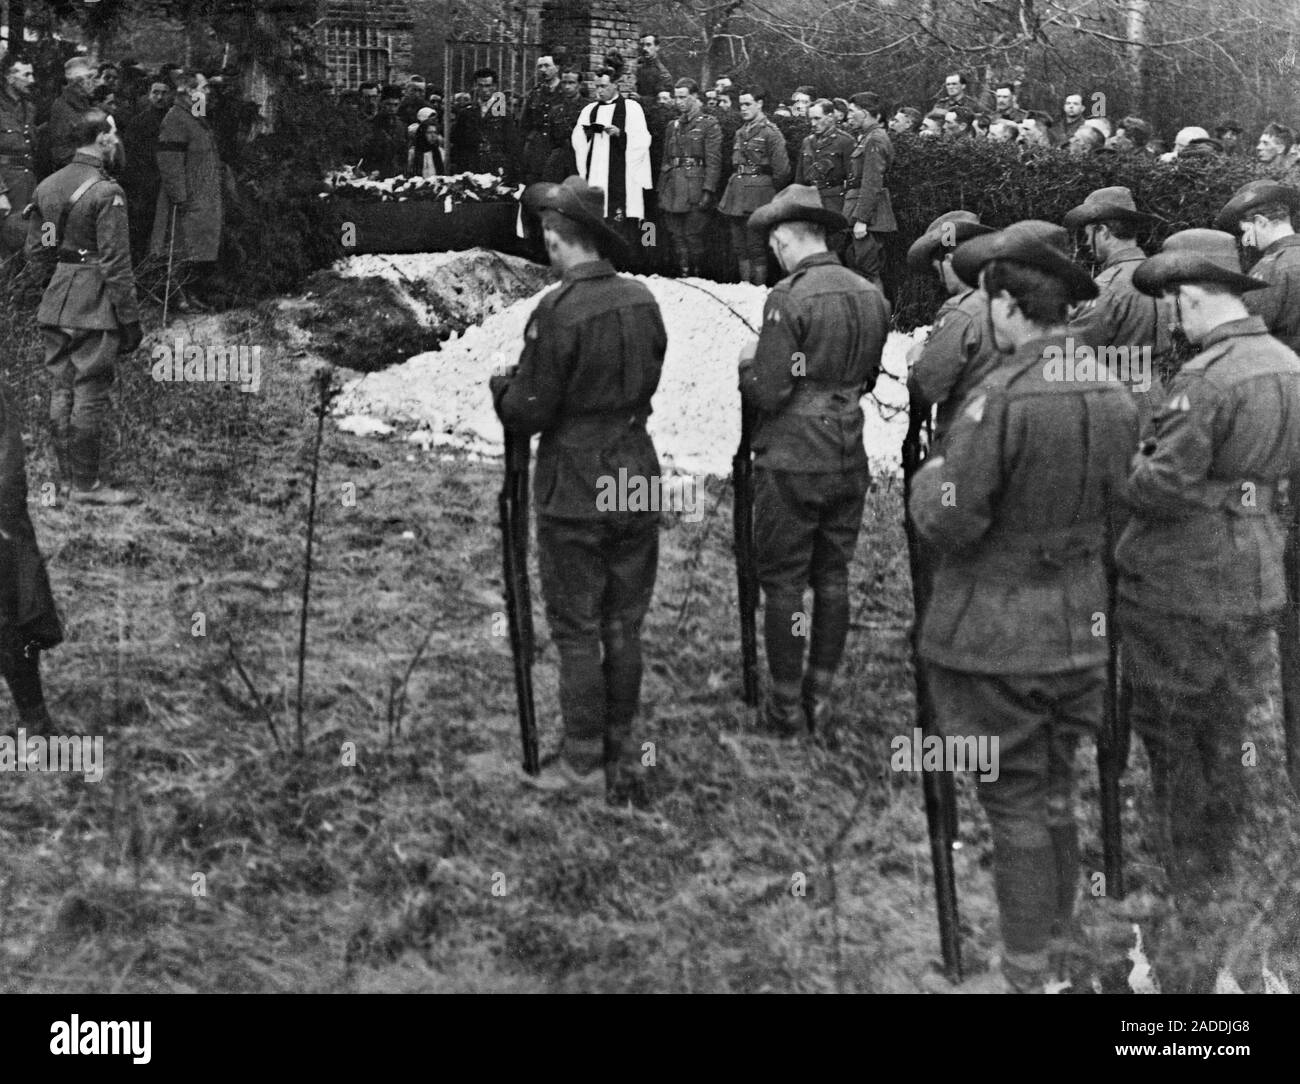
{"x":279,"y":231}
{"x":1005,"y":183}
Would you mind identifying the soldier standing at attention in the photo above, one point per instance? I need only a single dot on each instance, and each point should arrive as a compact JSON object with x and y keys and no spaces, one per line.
{"x":542,"y":120}
{"x":688,"y":178}
{"x":88,"y":314}
{"x":1121,"y":315}
{"x":867,"y":204}
{"x":957,"y":355}
{"x":1263,"y":212}
{"x":762,"y":168}
{"x":818,"y":354}
{"x":17,"y":181}
{"x":1201,"y":575}
{"x":593,"y":351}
{"x":1016,"y":506}
{"x":824,"y":156}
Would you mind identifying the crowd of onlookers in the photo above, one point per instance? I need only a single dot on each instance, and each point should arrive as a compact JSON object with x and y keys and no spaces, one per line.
{"x":37,"y":117}
{"x":491,"y":125}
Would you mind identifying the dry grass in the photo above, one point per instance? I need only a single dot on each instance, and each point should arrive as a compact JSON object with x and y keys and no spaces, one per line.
{"x":381,"y":875}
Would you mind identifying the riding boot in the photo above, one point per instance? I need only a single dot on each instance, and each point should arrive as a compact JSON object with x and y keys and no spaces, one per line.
{"x":60,"y":435}
{"x":83,"y":460}
{"x":22,"y":673}
{"x":816,"y":697}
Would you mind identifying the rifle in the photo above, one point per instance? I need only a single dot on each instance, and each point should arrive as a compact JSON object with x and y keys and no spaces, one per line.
{"x":937,"y":787}
{"x":1288,"y":635}
{"x":742,"y":473}
{"x":513,"y":507}
{"x":1113,"y":742}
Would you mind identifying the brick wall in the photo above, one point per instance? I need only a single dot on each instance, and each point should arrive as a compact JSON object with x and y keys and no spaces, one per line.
{"x":591,"y":28}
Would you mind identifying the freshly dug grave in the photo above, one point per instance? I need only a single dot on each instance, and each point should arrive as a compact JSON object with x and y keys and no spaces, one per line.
{"x":369,"y":312}
{"x":696,"y":420}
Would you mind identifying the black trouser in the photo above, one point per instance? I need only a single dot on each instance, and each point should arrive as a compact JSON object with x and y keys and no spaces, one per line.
{"x":597,"y":579}
{"x":805,"y":531}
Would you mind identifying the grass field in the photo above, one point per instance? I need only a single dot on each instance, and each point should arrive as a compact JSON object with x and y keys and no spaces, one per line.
{"x":398,"y":851}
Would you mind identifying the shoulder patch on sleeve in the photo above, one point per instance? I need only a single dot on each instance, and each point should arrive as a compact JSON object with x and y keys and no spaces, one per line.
{"x":975,"y":408}
{"x":1179,"y":403}
{"x":774,"y":316}
{"x":118,"y":201}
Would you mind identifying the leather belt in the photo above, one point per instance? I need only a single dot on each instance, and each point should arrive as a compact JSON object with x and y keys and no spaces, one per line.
{"x":16,"y":160}
{"x":78,"y":256}
{"x":580,"y":430}
{"x":688,"y":161}
{"x":750,"y":171}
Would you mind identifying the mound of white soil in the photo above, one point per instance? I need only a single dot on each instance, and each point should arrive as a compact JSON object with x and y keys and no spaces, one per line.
{"x":444,"y":396}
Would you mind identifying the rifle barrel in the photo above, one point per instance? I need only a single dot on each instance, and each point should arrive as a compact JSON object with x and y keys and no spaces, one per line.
{"x":938,"y":790}
{"x":512,"y":504}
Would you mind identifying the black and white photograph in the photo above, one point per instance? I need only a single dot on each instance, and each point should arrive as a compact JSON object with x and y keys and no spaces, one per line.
{"x":650,"y":497}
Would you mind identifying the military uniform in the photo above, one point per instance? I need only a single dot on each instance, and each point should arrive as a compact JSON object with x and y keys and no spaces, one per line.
{"x":89,"y":301}
{"x":191,"y":175}
{"x":17,"y":179}
{"x":955,"y":359}
{"x":810,"y":467}
{"x":1122,"y":316}
{"x":1062,"y":134}
{"x":1201,"y":578}
{"x":1279,"y":305}
{"x":545,"y":130}
{"x":561,"y":162}
{"x":824,"y":163}
{"x":867,"y":200}
{"x":65,"y":115}
{"x":691,"y":167}
{"x":593,"y":352}
{"x":652,"y":76}
{"x":965,"y":101}
{"x":761,"y":168}
{"x":1016,"y":507}
{"x":484,"y":139}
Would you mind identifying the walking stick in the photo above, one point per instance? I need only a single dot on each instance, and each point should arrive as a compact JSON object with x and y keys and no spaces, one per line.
{"x":171,"y":249}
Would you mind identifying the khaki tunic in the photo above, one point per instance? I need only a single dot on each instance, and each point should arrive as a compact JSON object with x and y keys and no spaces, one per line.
{"x":99,"y":292}
{"x":761,"y":168}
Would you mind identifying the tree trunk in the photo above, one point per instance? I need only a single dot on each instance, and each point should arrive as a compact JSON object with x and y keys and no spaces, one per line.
{"x":17,"y":26}
{"x":1135,"y":30}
